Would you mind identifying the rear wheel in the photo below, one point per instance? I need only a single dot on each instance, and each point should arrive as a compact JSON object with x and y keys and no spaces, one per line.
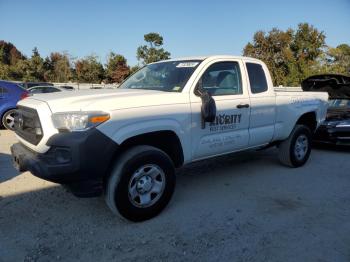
{"x":296,"y":149}
{"x":141,"y":183}
{"x":8,"y":119}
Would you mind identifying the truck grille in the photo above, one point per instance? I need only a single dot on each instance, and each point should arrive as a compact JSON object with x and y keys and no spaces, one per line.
{"x":27,"y":125}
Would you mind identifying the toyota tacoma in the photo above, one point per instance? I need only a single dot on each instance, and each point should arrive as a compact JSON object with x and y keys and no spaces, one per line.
{"x":126,"y":143}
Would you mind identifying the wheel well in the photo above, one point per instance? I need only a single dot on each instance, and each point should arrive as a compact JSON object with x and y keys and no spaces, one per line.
{"x":309,"y":120}
{"x":167,"y":141}
{"x":5,"y":111}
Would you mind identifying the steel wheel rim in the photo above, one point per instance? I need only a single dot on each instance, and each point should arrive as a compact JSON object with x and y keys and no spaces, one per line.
{"x":10,"y":120}
{"x":301,"y":147}
{"x":146,"y":185}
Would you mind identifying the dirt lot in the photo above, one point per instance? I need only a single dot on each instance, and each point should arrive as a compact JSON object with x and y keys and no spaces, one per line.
{"x":243,"y":207}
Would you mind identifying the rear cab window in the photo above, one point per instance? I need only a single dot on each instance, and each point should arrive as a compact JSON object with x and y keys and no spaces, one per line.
{"x":257,"y":78}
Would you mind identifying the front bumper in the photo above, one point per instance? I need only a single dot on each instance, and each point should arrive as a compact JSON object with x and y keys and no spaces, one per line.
{"x":78,"y":160}
{"x":333,"y":134}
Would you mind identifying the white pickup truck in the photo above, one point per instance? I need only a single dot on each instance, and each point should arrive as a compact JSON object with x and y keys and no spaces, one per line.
{"x":127,"y":142}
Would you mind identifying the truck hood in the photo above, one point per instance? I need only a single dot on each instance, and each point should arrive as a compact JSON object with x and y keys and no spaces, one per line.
{"x":107,"y":99}
{"x":337,"y":86}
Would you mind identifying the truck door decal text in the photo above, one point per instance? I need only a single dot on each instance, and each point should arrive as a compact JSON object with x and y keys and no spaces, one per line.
{"x":219,"y":142}
{"x":224,"y":122}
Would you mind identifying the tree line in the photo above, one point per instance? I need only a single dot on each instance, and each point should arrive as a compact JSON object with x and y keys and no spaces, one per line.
{"x":61,"y":67}
{"x":291,"y":55}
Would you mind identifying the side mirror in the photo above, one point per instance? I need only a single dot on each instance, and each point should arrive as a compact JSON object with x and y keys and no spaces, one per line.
{"x":208,"y":109}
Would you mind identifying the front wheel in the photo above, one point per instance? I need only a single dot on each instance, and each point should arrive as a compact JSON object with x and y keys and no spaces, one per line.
{"x":8,"y":119}
{"x":296,"y":149}
{"x":141,"y":183}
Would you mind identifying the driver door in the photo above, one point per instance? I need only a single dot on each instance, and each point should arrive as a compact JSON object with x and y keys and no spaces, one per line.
{"x":229,"y":131}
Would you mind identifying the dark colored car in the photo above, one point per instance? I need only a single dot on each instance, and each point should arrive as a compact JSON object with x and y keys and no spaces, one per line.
{"x":10,"y":94}
{"x":336,"y":128}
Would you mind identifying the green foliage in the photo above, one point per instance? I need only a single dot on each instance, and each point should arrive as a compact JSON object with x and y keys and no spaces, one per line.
{"x":290,"y":55}
{"x":34,"y":69}
{"x":154,"y":39}
{"x":152,"y":52}
{"x":274,"y":49}
{"x":25,"y":69}
{"x":307,"y":47}
{"x":58,"y":68}
{"x":19,"y":70}
{"x":13,"y":64}
{"x":337,"y":60}
{"x":116,"y":68}
{"x":9,"y":55}
{"x":4,"y":71}
{"x":89,"y":70}
{"x":134,"y":69}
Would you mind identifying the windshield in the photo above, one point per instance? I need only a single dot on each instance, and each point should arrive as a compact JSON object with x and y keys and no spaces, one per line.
{"x":339,"y":103}
{"x":170,"y":76}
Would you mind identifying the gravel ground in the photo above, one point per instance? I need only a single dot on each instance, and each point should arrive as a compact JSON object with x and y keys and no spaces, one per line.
{"x":242,"y":207}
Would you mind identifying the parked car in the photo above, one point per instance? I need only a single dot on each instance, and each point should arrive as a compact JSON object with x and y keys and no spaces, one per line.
{"x":27,"y":85}
{"x":46,"y":89}
{"x":126,"y":142}
{"x":10,"y":94}
{"x":336,"y":127}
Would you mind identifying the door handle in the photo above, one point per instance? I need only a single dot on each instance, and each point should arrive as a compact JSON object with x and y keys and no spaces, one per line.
{"x":243,"y":106}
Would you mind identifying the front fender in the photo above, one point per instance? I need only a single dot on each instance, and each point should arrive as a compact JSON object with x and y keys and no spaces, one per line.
{"x":139,"y":128}
{"x":120,"y":131}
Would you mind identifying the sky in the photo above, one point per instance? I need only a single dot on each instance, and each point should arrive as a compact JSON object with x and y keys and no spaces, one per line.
{"x":188,"y":27}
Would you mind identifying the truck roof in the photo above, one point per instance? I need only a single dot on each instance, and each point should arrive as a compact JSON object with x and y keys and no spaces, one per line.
{"x":212,"y":57}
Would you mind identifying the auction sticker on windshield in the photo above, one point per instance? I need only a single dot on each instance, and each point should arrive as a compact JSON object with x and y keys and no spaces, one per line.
{"x":188,"y":64}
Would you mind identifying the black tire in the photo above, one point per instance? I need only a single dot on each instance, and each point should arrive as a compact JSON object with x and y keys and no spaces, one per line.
{"x":288,"y":154}
{"x":5,"y":119}
{"x":118,"y":185}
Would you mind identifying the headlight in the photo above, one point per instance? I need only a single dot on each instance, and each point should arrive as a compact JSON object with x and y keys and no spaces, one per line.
{"x":78,"y":121}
